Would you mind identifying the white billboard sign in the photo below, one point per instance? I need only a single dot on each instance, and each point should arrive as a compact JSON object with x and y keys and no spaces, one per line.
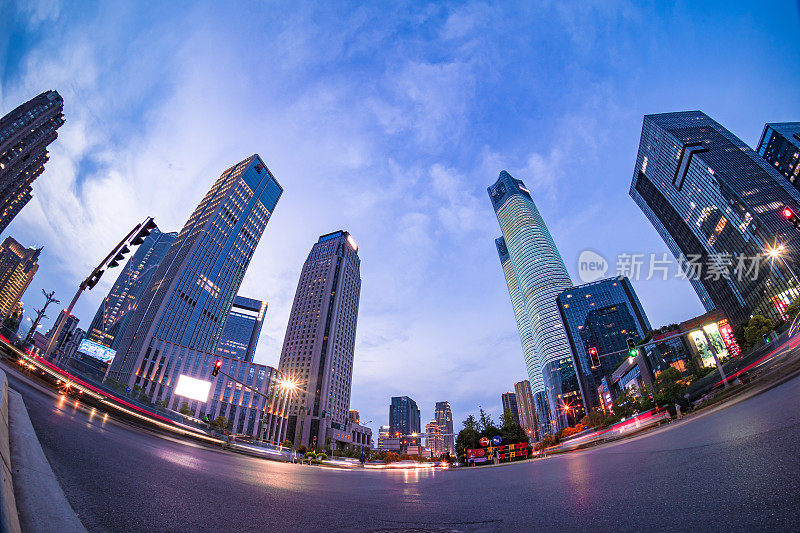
{"x":192,"y":388}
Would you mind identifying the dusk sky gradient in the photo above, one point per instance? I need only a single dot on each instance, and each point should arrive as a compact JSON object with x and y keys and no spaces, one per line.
{"x":388,"y":120}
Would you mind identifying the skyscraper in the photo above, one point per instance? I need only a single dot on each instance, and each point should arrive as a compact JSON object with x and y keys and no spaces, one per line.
{"x":780,"y":146}
{"x":527,"y":410}
{"x":403,"y":416}
{"x":117,"y":307}
{"x":718,"y":205}
{"x":510,"y":404}
{"x":599,"y":318}
{"x":66,"y":333}
{"x":178,"y":322}
{"x":17,"y":268}
{"x":242,"y":329}
{"x":444,"y":419}
{"x":535,"y":275}
{"x":433,"y":439}
{"x":24,"y":135}
{"x":319,"y":346}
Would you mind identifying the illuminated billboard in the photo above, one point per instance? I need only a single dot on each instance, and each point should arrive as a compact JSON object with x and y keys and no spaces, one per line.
{"x":192,"y":388}
{"x":96,"y":350}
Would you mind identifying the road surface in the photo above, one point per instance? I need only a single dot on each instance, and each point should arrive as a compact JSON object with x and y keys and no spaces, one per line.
{"x":734,"y":469}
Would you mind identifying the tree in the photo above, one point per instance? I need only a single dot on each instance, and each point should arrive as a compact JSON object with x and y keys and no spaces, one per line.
{"x":467,"y":439}
{"x":287,"y":443}
{"x":756,"y":328}
{"x":593,"y":419}
{"x":484,"y":421}
{"x":220,"y":422}
{"x":626,"y":404}
{"x":185,"y":409}
{"x":301,"y":448}
{"x":512,"y":432}
{"x":12,"y":322}
{"x":471,"y":423}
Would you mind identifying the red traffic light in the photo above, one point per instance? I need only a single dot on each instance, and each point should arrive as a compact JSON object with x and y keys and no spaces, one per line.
{"x":217,"y":366}
{"x":787,"y":212}
{"x":593,"y":356}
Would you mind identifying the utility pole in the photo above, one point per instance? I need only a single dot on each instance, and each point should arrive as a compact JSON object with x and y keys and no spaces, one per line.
{"x":134,"y":238}
{"x":49,"y":298}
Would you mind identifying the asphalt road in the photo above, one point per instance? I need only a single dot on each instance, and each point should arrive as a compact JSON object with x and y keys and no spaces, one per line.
{"x":733,"y":469}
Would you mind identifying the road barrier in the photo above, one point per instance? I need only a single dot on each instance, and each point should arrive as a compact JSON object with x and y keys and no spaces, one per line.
{"x":9,"y":519}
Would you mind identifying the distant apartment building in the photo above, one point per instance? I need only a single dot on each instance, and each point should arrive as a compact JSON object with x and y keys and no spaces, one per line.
{"x":239,"y":337}
{"x":25,"y":133}
{"x":18,"y":265}
{"x":509,"y":400}
{"x":444,"y":419}
{"x":526,"y":409}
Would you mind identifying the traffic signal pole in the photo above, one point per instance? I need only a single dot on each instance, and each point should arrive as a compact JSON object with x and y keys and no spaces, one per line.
{"x":134,"y":237}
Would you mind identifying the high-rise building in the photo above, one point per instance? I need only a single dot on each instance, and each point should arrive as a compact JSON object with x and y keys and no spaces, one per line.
{"x":319,"y":346}
{"x":527,"y":409}
{"x":117,"y":307}
{"x":780,"y":146}
{"x":510,"y":404}
{"x":24,"y":135}
{"x":535,"y":274}
{"x":718,"y":207}
{"x":444,"y":419}
{"x":177,"y":324}
{"x":354,"y":416}
{"x":403,"y":416}
{"x":242,"y":329}
{"x":433,"y":438}
{"x":67,"y":331}
{"x":17,"y":268}
{"x":599,"y":318}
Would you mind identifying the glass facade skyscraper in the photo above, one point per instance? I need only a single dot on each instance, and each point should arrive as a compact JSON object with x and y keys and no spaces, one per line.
{"x":242,"y":328}
{"x":403,"y":416}
{"x":25,"y":133}
{"x":535,"y":274}
{"x":509,"y":400}
{"x":780,"y":146}
{"x":181,"y":316}
{"x":599,"y":318}
{"x":118,"y":306}
{"x":319,"y":345}
{"x":526,"y":409}
{"x":717,"y":204}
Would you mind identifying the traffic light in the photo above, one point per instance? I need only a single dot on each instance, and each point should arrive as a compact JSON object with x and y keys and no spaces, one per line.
{"x":789,"y":214}
{"x":593,"y":356}
{"x":119,"y":257}
{"x":146,"y":230}
{"x":765,"y":336}
{"x":217,"y":366}
{"x":93,"y":278}
{"x":632,"y":351}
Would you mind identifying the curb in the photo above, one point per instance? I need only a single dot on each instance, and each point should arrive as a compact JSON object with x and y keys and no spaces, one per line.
{"x":41,"y":503}
{"x":9,"y":519}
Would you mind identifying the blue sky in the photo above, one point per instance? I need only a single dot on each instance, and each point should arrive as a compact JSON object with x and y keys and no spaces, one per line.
{"x":388,"y":120}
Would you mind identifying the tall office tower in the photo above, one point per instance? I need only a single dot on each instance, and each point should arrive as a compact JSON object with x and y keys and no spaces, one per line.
{"x":177,"y":324}
{"x":17,"y":268}
{"x":242,"y":329}
{"x":433,"y":438}
{"x":354,"y":416}
{"x":116,"y":309}
{"x":599,"y":318}
{"x":403,"y":416}
{"x":24,"y":135}
{"x":718,"y":205}
{"x":539,"y":275}
{"x":780,"y":146}
{"x":320,"y":340}
{"x":444,"y":419}
{"x":527,"y":409}
{"x":510,"y":404}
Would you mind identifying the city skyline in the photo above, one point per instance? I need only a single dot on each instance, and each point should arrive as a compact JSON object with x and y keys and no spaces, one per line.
{"x":574,"y":147}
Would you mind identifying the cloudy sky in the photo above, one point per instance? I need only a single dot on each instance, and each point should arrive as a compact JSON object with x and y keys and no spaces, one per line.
{"x":388,"y":120}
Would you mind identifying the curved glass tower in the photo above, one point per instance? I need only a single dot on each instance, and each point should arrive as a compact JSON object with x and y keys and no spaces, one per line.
{"x":540,"y":276}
